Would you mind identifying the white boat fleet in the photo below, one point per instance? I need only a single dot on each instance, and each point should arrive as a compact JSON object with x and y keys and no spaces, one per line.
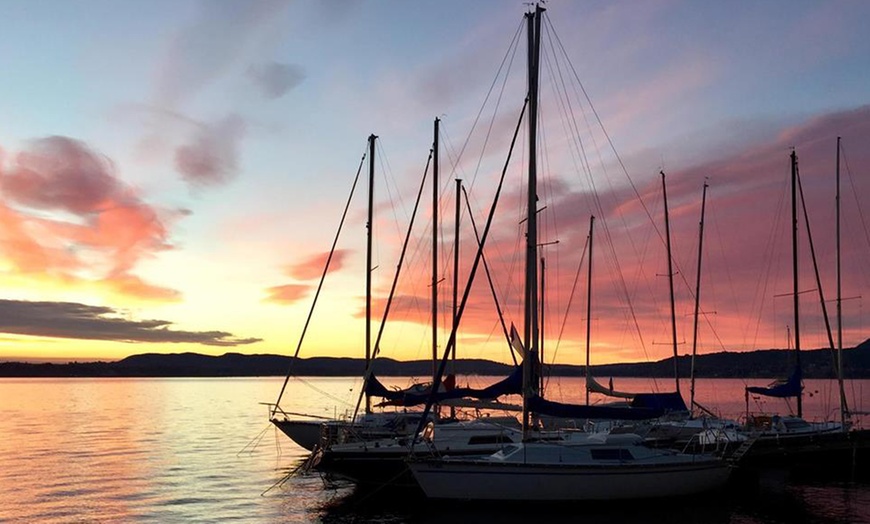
{"x":619,"y":452}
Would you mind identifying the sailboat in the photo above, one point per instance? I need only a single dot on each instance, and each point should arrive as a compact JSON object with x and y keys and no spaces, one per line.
{"x":310,"y":431}
{"x":381,"y":461}
{"x":578,"y":466}
{"x":680,"y":427}
{"x":370,"y":447}
{"x":790,"y":441}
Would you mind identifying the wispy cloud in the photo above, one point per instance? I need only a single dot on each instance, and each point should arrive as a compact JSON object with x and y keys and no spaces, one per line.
{"x":81,"y":321}
{"x":211,"y":156}
{"x":216,"y":40}
{"x":216,"y":44}
{"x":276,"y":79}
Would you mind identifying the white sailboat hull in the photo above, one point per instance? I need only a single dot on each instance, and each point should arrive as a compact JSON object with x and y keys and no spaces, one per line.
{"x":371,"y":426}
{"x":305,"y":433}
{"x":470,"y":480}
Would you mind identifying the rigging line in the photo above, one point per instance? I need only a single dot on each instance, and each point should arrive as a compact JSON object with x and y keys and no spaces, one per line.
{"x":323,"y":392}
{"x":578,"y":149}
{"x":320,"y":284}
{"x":388,"y":177}
{"x":571,"y":296}
{"x":506,"y":289}
{"x":761,"y":287}
{"x":610,"y":142}
{"x":618,"y":158}
{"x":821,"y":294}
{"x":855,"y":193}
{"x":489,"y":278}
{"x":550,"y":219}
{"x":508,"y":59}
{"x":389,"y":303}
{"x":728,"y":275}
{"x":451,"y":342}
{"x":456,"y":170}
{"x":546,"y":185}
{"x":567,"y":107}
{"x":623,"y":283}
{"x":761,"y":292}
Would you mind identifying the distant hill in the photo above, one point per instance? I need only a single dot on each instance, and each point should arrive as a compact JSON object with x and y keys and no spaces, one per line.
{"x":753,"y":364}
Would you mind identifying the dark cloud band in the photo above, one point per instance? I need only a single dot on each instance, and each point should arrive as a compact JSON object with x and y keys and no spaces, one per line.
{"x":81,"y":321}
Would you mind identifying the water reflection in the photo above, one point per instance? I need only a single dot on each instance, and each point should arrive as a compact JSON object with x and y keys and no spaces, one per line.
{"x":167,"y":450}
{"x":764,"y":502}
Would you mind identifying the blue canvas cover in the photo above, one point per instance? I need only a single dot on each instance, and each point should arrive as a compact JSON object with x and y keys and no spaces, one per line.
{"x":557,"y":409}
{"x":792,"y":387}
{"x":512,"y":384}
{"x":668,"y":402}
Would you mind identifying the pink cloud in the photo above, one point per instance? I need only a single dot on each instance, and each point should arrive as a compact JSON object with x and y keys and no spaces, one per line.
{"x":312,"y":267}
{"x":630,"y":259}
{"x":67,"y":213}
{"x":288,"y":293}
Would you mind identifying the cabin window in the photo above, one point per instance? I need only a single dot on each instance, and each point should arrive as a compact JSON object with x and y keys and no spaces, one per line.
{"x":611,"y":454}
{"x":489,"y":439}
{"x":793,"y":424}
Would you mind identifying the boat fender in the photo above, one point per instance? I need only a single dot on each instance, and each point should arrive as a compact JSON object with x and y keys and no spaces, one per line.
{"x":428,"y":432}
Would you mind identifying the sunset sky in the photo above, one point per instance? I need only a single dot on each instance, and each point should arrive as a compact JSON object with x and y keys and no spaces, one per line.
{"x":172,"y":174}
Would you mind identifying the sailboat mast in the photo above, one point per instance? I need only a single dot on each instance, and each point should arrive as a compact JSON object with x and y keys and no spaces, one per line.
{"x":369,"y":225}
{"x":697,"y":297}
{"x":844,"y":410}
{"x":794,"y":257}
{"x":455,"y":278}
{"x":435,"y":183}
{"x":530,"y":329}
{"x":589,"y":310}
{"x":671,"y":283}
{"x":541,"y":323}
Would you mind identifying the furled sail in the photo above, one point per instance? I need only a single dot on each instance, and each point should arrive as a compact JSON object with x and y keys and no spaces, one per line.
{"x":542,"y":406}
{"x":595,"y":387}
{"x":791,"y":387}
{"x":512,"y":384}
{"x":668,"y":402}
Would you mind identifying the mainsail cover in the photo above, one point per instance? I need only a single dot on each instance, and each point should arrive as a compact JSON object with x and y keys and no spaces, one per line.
{"x":542,"y":406}
{"x":512,"y":384}
{"x":668,"y":402}
{"x":595,"y":387}
{"x":792,"y":387}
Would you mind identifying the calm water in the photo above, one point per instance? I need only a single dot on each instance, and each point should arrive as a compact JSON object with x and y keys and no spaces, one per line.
{"x":180,"y":450}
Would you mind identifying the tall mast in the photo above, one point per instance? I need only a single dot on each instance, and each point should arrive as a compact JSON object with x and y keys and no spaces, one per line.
{"x":794,"y":262}
{"x":844,"y":409}
{"x":435,"y":250}
{"x":369,"y":225}
{"x":530,"y":329}
{"x":589,"y":310}
{"x":671,"y":283}
{"x":822,"y":302}
{"x":455,"y":277}
{"x":697,"y":297}
{"x":541,"y":323}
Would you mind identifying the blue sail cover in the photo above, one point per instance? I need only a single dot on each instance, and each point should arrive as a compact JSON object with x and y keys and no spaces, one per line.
{"x":513,"y":384}
{"x":668,"y":402}
{"x":792,"y":387}
{"x":557,"y":409}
